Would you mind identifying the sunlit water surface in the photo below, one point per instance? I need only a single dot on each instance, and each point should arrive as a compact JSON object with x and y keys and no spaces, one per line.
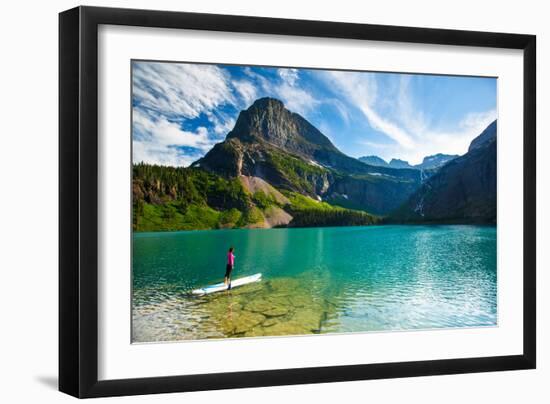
{"x":315,"y":280}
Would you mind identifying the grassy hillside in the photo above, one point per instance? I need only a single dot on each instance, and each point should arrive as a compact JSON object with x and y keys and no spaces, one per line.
{"x":169,"y":198}
{"x":307,"y":212}
{"x":296,"y":174}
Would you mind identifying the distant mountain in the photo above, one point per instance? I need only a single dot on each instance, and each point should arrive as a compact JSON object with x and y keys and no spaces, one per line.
{"x":463,"y":190}
{"x":430,"y":162}
{"x":435,"y":161}
{"x":397,"y":163}
{"x":373,"y":161}
{"x":285,"y":150}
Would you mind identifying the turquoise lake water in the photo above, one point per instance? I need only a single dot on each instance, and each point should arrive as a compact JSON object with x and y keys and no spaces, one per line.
{"x":315,"y":280}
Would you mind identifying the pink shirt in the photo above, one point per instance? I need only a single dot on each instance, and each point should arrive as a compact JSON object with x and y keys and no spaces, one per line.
{"x":230,"y":259}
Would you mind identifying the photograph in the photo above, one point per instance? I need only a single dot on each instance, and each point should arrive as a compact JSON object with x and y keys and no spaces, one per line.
{"x":278,"y":201}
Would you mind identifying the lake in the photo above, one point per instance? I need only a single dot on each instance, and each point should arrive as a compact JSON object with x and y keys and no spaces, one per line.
{"x":315,"y":281}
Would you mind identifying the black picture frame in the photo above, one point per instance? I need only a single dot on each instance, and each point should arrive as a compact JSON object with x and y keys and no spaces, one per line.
{"x":78,"y":201}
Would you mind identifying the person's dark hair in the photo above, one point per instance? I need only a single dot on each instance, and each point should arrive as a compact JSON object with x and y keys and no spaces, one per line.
{"x":230,"y":249}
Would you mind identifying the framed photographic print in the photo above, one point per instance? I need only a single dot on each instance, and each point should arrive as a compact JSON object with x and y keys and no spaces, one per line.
{"x":250,"y":201}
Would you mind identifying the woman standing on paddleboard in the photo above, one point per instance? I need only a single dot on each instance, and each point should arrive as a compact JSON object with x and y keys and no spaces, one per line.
{"x":229,"y":268}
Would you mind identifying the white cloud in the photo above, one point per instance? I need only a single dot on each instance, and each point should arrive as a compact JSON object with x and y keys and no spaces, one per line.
{"x":405,"y":111}
{"x":180,"y":90}
{"x":429,"y":139}
{"x":295,"y":98}
{"x":405,"y":124}
{"x":458,"y":140}
{"x":289,"y":76}
{"x":261,"y":84}
{"x":157,"y":141}
{"x":246,"y":90}
{"x":361,"y":90}
{"x":433,"y":141}
{"x":164,"y":96}
{"x":477,"y":121}
{"x":222,"y":123}
{"x":340,"y":108}
{"x":152,"y":154}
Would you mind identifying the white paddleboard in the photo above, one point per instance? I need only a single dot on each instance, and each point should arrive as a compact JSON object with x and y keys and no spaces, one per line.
{"x":219,"y":287}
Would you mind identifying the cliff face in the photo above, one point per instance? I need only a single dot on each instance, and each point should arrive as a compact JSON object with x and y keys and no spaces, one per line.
{"x":233,"y":158}
{"x":369,"y":192}
{"x":281,"y":147}
{"x":486,"y":137}
{"x":462,"y":190}
{"x":268,"y":120}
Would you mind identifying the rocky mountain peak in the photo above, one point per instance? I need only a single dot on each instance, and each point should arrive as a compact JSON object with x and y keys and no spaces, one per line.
{"x":485,"y":138}
{"x":282,"y":148}
{"x":267,"y":119}
{"x":267,"y":103}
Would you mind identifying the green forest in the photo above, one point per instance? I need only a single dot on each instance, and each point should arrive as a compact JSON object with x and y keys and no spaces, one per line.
{"x":177,"y":198}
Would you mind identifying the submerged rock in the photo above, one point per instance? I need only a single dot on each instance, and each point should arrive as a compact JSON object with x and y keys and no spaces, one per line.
{"x":283,"y":284}
{"x":276,"y":311}
{"x":286,"y":328}
{"x":245,"y":321}
{"x":277,"y":307}
{"x":269,"y":322}
{"x":309,"y":319}
{"x":255,"y":332}
{"x":259,"y":305}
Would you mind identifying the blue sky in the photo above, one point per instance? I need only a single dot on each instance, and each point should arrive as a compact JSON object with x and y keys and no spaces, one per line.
{"x":180,"y":110}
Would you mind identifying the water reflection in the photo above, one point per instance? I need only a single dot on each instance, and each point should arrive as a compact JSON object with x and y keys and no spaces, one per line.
{"x":318,"y":281}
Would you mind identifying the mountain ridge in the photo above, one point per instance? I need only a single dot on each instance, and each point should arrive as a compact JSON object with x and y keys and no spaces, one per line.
{"x":463,"y":190}
{"x":433,"y":161}
{"x":284,"y":149}
{"x":267,"y":120}
{"x":275,"y":169}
